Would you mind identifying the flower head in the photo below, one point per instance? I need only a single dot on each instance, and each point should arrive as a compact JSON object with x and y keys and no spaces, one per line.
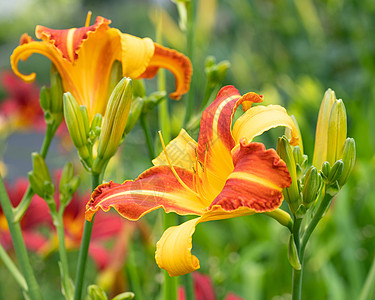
{"x":84,"y":58}
{"x":224,"y":175}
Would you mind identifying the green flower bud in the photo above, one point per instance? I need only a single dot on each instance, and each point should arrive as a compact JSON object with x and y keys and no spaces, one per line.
{"x":153,"y":100}
{"x":57,"y":91}
{"x":182,"y":13}
{"x":291,"y":194}
{"x":85,"y":118}
{"x":76,"y":121}
{"x":95,"y":128}
{"x":115,"y":77}
{"x":326,"y":169}
{"x":293,"y":255}
{"x":215,"y":72}
{"x":40,"y":179}
{"x":336,"y":171}
{"x":337,"y":130}
{"x":311,"y":188}
{"x":95,"y":293}
{"x":124,"y":296}
{"x":321,"y":134}
{"x":45,"y":98}
{"x":135,"y":112}
{"x":348,"y":157}
{"x":68,"y":184}
{"x":114,"y":123}
{"x":139,"y":90}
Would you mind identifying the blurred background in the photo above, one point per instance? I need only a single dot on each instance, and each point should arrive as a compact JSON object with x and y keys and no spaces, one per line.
{"x":291,"y":52}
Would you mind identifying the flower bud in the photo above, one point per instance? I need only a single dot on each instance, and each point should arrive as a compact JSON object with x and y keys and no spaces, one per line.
{"x":57,"y":91}
{"x":68,"y":184}
{"x":337,"y":130}
{"x":95,"y":128}
{"x":114,"y":123}
{"x":45,"y":98}
{"x":135,"y":112}
{"x":114,"y":77}
{"x":139,"y":89}
{"x":95,"y":292}
{"x":321,"y":134}
{"x":291,"y":194}
{"x":76,"y":121}
{"x":336,"y":171}
{"x":326,"y":169}
{"x":311,"y":187}
{"x":124,"y":296}
{"x":40,"y":179}
{"x":293,"y":255}
{"x":348,"y":157}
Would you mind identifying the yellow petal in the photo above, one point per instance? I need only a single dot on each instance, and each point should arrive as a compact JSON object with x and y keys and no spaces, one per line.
{"x":173,"y":251}
{"x":181,"y":152}
{"x":258,"y":119}
{"x":136,"y":54}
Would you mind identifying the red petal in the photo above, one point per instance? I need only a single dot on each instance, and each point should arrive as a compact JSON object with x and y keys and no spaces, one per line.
{"x":257,"y":181}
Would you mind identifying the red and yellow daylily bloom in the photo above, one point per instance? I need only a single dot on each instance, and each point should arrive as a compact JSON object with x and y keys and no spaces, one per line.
{"x":84,"y":58}
{"x":224,"y":175}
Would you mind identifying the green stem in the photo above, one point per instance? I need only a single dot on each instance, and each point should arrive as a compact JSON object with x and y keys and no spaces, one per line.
{"x":20,"y":210}
{"x":19,"y":244}
{"x":297,"y":284}
{"x":314,"y":222}
{"x":368,"y":291}
{"x":170,"y":283}
{"x":83,"y":251}
{"x":64,"y":267}
{"x":190,"y":53}
{"x":297,"y":274}
{"x":146,"y":130}
{"x":189,"y":286}
{"x":12,"y":268}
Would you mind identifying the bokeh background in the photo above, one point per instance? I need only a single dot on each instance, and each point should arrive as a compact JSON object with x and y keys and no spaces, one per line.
{"x":290,"y":51}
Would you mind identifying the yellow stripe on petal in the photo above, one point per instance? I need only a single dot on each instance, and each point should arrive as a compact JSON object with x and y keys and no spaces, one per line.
{"x":136,"y":54}
{"x":258,"y":119}
{"x":173,"y":251}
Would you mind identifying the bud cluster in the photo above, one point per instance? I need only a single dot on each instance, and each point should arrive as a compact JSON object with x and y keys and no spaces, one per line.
{"x":108,"y":131}
{"x":334,"y":158}
{"x":51,"y":100}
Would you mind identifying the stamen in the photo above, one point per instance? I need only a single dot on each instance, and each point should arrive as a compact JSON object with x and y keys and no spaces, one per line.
{"x":88,"y":18}
{"x":173,"y":169}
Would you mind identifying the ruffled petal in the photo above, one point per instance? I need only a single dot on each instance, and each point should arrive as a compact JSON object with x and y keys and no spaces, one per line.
{"x":175,"y":62}
{"x":68,"y":41}
{"x":173,"y":251}
{"x":157,"y":187}
{"x":257,"y":181}
{"x":258,"y":119}
{"x":181,"y":152}
{"x":215,"y":138}
{"x":136,"y":54}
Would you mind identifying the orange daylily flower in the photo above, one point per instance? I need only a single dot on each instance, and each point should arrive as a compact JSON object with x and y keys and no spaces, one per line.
{"x":84,"y":58}
{"x":224,"y":175}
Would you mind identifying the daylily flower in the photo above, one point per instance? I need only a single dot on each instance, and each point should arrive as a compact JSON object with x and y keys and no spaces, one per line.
{"x":224,"y":175}
{"x":84,"y":58}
